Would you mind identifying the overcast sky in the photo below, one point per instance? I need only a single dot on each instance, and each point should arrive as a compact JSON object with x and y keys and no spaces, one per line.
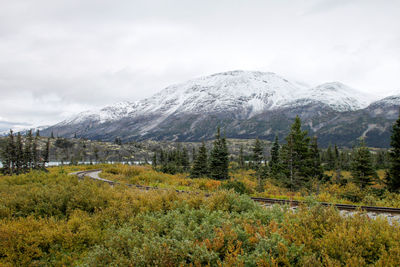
{"x":61,"y":57}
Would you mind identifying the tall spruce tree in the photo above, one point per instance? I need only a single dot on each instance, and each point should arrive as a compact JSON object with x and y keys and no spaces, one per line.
{"x":257,"y":158}
{"x":200,"y":164}
{"x":19,"y":155}
{"x":393,"y":174}
{"x":28,"y":150}
{"x":154,"y":160}
{"x":219,"y":158}
{"x":193,"y":154}
{"x":185,"y":162}
{"x":337,"y":154}
{"x":241,"y":158}
{"x":316,"y":167}
{"x":362,"y":168}
{"x":46,"y":153}
{"x":257,"y":155}
{"x":330,"y":158}
{"x":338,"y":165}
{"x":274,"y":163}
{"x":35,"y":153}
{"x":9,"y":155}
{"x":297,"y":158}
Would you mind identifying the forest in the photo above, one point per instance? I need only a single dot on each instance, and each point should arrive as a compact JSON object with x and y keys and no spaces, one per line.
{"x":48,"y":217}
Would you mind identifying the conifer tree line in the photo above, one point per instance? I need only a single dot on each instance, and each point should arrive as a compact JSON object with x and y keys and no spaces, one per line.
{"x":294,"y":164}
{"x":393,"y":174}
{"x":213,"y":164}
{"x":21,"y":155}
{"x":172,"y":161}
{"x":299,"y":161}
{"x":335,"y":159}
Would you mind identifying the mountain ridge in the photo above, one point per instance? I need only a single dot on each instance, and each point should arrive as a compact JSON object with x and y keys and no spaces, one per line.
{"x":228,"y":98}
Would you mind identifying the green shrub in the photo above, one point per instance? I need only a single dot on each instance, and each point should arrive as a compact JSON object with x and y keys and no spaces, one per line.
{"x":237,"y":186}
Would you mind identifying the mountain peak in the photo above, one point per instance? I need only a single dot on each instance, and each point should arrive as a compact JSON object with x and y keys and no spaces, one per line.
{"x":332,"y":86}
{"x":246,"y":103}
{"x":242,"y":72}
{"x":241,"y":93}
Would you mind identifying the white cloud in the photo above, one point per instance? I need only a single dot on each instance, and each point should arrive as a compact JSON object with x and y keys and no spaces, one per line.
{"x":61,"y":57}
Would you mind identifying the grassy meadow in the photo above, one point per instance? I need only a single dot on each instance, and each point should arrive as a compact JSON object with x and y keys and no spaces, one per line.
{"x":350,"y":193}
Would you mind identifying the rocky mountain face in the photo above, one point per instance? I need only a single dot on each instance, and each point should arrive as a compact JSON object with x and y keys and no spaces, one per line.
{"x":245,"y":105}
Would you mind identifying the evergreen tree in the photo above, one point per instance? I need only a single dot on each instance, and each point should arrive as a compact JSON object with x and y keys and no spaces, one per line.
{"x":200,"y":164}
{"x":46,"y":153}
{"x":336,"y":154}
{"x":193,"y":154}
{"x":52,"y":135}
{"x":393,"y":174}
{"x":338,"y":165}
{"x":316,"y":168}
{"x":257,"y":155}
{"x":330,"y":157}
{"x":257,"y":158}
{"x":274,"y":163}
{"x":35,"y":153}
{"x":9,"y":155}
{"x":241,"y":158}
{"x":345,"y":160}
{"x":361,"y":168}
{"x":28,"y":150}
{"x":185,"y":163}
{"x":297,"y":158}
{"x":162,"y":157}
{"x":19,"y":155}
{"x":381,"y":160}
{"x":154,"y":161}
{"x":219,"y":158}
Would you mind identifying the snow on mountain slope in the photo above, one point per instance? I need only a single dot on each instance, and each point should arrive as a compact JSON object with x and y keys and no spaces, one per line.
{"x":389,"y":101}
{"x":108,"y":113}
{"x":340,"y":96}
{"x":253,"y":91}
{"x":245,"y":93}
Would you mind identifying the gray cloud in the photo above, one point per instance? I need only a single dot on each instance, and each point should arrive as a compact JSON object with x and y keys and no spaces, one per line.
{"x":58,"y":58}
{"x":5,"y":126}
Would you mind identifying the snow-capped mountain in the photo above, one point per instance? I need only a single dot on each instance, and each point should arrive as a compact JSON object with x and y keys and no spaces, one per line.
{"x":253,"y":92}
{"x":108,"y":113}
{"x":23,"y":130}
{"x":249,"y":103}
{"x":340,"y":96}
{"x":387,"y":107}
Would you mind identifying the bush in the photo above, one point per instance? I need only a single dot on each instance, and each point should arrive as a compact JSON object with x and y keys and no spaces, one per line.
{"x":237,"y":186}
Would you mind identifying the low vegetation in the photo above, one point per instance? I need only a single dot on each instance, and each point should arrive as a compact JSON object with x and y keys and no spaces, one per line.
{"x":55,"y":219}
{"x":246,"y":182}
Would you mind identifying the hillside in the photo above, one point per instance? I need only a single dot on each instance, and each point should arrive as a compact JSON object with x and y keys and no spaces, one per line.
{"x":246,"y":105}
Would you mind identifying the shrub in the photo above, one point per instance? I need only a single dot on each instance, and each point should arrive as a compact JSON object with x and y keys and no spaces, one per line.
{"x":237,"y":186}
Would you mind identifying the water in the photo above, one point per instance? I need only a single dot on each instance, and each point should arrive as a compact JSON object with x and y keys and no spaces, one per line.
{"x":59,"y":163}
